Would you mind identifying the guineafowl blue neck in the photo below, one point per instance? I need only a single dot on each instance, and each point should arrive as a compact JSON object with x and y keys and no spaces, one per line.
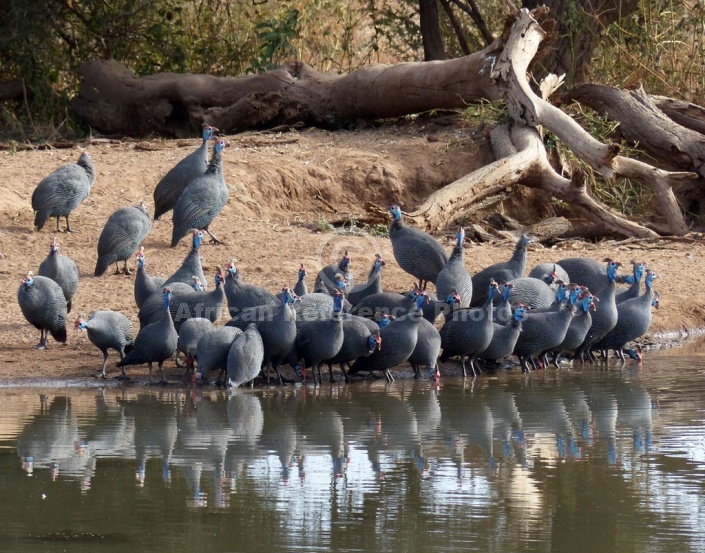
{"x":612,"y":272}
{"x":167,"y":300}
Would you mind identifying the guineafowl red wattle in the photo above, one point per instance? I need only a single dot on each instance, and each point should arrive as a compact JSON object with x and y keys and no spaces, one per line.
{"x":170,"y":187}
{"x":43,"y":305}
{"x":202,"y":200}
{"x":416,"y":252}
{"x":145,"y":285}
{"x":191,"y":265}
{"x":155,"y":342}
{"x":122,"y":234}
{"x":245,"y":357}
{"x":62,"y":270}
{"x":583,"y":303}
{"x":504,"y":336}
{"x":373,"y":285}
{"x":58,"y":194}
{"x":327,"y":279}
{"x":633,"y":320}
{"x":502,"y":272}
{"x":454,"y":276}
{"x":549,"y":272}
{"x":276,"y":325}
{"x":108,"y":330}
{"x":469,"y":331}
{"x":604,"y":318}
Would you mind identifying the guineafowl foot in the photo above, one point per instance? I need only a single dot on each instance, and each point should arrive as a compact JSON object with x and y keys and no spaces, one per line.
{"x":214,"y":239}
{"x":127,"y":271}
{"x":41,"y":345}
{"x":122,"y":378}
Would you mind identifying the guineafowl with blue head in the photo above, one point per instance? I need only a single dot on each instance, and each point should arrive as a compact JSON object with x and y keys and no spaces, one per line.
{"x":145,"y":284}
{"x":416,"y":252}
{"x":634,"y":281}
{"x":62,"y":270}
{"x":59,"y":193}
{"x":454,"y":276}
{"x":373,"y":285}
{"x":505,"y":336}
{"x":191,"y":265}
{"x":360,"y":338}
{"x":202,"y":200}
{"x":44,"y":306}
{"x":170,"y":187}
{"x":336,"y":276}
{"x":108,"y":330}
{"x":123,"y":232}
{"x":241,"y":294}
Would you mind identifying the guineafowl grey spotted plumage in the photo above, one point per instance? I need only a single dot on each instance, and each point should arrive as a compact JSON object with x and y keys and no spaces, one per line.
{"x":541,"y":332}
{"x":586,"y":272}
{"x":579,"y":326}
{"x":241,"y":295}
{"x":191,"y":265}
{"x":245,"y":357}
{"x":190,"y":333}
{"x":145,"y":285}
{"x":360,"y":338}
{"x":155,"y":342}
{"x":425,"y":354}
{"x":391,"y":303}
{"x":121,"y":235}
{"x":633,"y":320}
{"x":454,"y":276}
{"x":632,"y":292}
{"x":549,"y":273}
{"x":373,"y":285}
{"x":336,"y":276}
{"x":108,"y":330}
{"x":43,"y":305}
{"x":58,"y":194}
{"x":502,"y":272}
{"x":62,"y":270}
{"x":300,"y":288}
{"x":504,"y":336}
{"x":532,"y":292}
{"x":171,"y":185}
{"x":202,"y":200}
{"x":415,"y":251}
{"x":212,"y":350}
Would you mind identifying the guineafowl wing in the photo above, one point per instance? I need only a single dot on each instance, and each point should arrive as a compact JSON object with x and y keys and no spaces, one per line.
{"x":55,"y":189}
{"x":120,"y":235}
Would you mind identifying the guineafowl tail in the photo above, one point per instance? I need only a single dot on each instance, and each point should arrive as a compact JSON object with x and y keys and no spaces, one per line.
{"x":177,"y":234}
{"x":158,"y":210}
{"x":59,"y":335}
{"x":40,"y":218}
{"x":102,"y":265}
{"x":68,"y":306}
{"x":128,"y":348}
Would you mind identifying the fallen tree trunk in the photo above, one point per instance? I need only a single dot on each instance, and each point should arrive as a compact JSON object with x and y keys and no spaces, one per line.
{"x":113,"y":100}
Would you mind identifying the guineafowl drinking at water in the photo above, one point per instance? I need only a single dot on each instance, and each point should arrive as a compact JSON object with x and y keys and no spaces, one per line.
{"x":121,"y":235}
{"x":454,"y":276}
{"x":500,"y":272}
{"x":155,"y":343}
{"x":245,"y":357}
{"x":171,"y":186}
{"x":108,"y":330}
{"x":58,"y":194}
{"x":360,"y":338}
{"x":202,"y":200}
{"x":145,"y":285}
{"x":62,"y":270}
{"x":416,"y":252}
{"x":43,"y":305}
{"x":191,"y":331}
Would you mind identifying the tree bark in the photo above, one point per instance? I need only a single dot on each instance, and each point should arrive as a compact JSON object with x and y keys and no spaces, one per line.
{"x":431,"y":31}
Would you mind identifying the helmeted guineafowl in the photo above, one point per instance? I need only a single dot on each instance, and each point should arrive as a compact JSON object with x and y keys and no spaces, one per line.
{"x":241,"y":295}
{"x":502,"y":272}
{"x":122,"y":233}
{"x":391,"y":303}
{"x":373,"y":285}
{"x":469,"y":331}
{"x":276,"y":325}
{"x":155,"y":342}
{"x":454,"y":276}
{"x":541,"y":332}
{"x":186,"y":302}
{"x":43,"y":305}
{"x":171,"y":185}
{"x":191,"y":265}
{"x":300,"y":288}
{"x":58,"y":194}
{"x":190,"y":333}
{"x":549,"y":272}
{"x":145,"y":285}
{"x":532,"y":292}
{"x":399,"y":339}
{"x":360,"y":338}
{"x":212,"y":350}
{"x":502,"y":312}
{"x":505,"y":336}
{"x":245,"y":357}
{"x":202,"y":200}
{"x":415,"y":251}
{"x":108,"y":330}
{"x":605,"y":317}
{"x":633,"y":320}
{"x":425,"y":354}
{"x":634,"y":280}
{"x":579,"y":326}
{"x":327,"y":279}
{"x":318,"y":340}
{"x":586,"y":272}
{"x":62,"y":270}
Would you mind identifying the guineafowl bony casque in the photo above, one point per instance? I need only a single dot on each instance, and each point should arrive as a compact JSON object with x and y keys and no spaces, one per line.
{"x":59,"y":193}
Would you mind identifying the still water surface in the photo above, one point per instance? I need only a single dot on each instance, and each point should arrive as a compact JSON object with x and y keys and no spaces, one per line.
{"x":577,"y":459}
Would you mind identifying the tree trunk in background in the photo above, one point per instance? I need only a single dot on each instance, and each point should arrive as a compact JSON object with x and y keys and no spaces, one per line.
{"x":579,"y":26}
{"x":431,"y":31}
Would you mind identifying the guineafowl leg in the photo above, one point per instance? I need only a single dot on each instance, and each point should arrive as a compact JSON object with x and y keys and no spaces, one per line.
{"x":462,"y":362}
{"x":68,"y":228}
{"x":179,"y":362}
{"x":417,"y":375}
{"x":161,"y":372}
{"x":475,"y":367}
{"x":117,"y":268}
{"x":330,"y":373}
{"x":57,"y":224}
{"x":388,"y":376}
{"x":345,"y":374}
{"x":105,"y":362}
{"x":149,"y":366}
{"x":524,"y":365}
{"x":213,"y":239}
{"x":127,"y":269}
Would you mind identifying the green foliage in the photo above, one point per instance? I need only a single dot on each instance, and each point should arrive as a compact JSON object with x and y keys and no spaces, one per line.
{"x":276,"y":41}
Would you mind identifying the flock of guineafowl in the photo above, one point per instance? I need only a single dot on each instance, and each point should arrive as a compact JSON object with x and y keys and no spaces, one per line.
{"x":572,"y":307}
